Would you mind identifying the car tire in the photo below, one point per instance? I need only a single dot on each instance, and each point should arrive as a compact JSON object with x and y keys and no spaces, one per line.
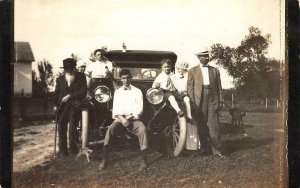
{"x":179,"y":135}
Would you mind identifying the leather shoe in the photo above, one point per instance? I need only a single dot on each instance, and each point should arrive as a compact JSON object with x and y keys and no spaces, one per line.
{"x":204,"y":152}
{"x":73,"y":151}
{"x":180,"y":113}
{"x":221,"y":156}
{"x":191,"y":121}
{"x":193,"y":154}
{"x":143,"y":165}
{"x":62,"y":154}
{"x":102,"y":164}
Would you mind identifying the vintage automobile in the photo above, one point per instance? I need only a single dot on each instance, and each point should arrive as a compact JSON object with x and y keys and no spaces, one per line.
{"x":164,"y":126}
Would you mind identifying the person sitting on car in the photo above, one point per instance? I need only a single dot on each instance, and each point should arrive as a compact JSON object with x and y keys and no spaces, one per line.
{"x":165,"y":81}
{"x":99,"y":72}
{"x":127,"y":110}
{"x":180,"y":83}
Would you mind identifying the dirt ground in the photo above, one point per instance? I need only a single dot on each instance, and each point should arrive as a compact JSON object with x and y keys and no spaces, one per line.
{"x":256,"y":160}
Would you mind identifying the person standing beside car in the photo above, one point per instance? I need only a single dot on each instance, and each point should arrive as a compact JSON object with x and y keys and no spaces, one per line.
{"x":70,"y":90}
{"x":181,"y":76}
{"x":99,"y":72}
{"x":81,"y":65}
{"x":205,"y":92}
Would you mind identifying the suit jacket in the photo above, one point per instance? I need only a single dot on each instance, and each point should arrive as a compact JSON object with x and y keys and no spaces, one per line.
{"x":77,"y":89}
{"x":195,"y":84}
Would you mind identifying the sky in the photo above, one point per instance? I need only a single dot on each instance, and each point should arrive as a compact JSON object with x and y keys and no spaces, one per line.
{"x":57,"y":28}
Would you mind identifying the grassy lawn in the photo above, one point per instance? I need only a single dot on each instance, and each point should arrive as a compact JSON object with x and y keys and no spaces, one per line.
{"x":256,"y":160}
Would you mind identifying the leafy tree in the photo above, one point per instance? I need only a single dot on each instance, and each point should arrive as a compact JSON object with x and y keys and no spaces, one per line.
{"x":75,"y":56}
{"x":255,"y":76}
{"x":46,"y":81}
{"x":45,"y":70}
{"x":37,"y":90}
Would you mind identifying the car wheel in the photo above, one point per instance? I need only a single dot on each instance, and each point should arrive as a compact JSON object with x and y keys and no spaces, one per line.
{"x":179,"y":135}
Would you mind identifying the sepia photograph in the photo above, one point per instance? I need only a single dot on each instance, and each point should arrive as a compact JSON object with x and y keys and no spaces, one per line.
{"x":111,"y":93}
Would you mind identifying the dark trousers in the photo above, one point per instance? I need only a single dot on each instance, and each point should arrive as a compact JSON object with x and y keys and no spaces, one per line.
{"x":68,"y":114}
{"x":209,"y":130}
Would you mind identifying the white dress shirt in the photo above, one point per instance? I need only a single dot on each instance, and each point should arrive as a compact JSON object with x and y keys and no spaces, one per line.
{"x":181,"y":82}
{"x":205,"y":74}
{"x":162,"y":80}
{"x":128,"y":102}
{"x":97,"y":69}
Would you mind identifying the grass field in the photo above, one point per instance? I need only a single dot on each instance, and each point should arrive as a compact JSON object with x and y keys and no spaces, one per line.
{"x":256,"y":160}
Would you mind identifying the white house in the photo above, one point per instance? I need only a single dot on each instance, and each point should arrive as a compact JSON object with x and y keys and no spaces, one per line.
{"x":23,"y":68}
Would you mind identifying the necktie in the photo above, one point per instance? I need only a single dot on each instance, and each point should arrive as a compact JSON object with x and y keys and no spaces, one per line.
{"x":169,"y":83}
{"x":127,"y":88}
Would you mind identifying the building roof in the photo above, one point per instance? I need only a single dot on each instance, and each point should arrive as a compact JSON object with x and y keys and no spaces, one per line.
{"x":23,"y":52}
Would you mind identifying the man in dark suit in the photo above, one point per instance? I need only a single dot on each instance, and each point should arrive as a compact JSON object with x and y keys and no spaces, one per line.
{"x":71,"y":88}
{"x":205,"y":92}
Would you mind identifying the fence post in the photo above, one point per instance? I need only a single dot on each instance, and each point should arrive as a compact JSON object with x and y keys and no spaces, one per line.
{"x":266,"y":102}
{"x":21,"y":106}
{"x":232,"y":99}
{"x":45,"y":104}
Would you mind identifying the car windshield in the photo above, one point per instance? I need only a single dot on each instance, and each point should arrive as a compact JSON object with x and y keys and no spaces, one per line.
{"x":139,"y":73}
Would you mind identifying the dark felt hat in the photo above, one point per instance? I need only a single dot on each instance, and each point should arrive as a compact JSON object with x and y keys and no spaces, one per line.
{"x":69,"y":64}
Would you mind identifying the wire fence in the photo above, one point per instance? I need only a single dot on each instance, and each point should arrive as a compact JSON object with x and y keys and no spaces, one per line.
{"x":255,"y":105}
{"x":31,"y":108}
{"x":39,"y":108}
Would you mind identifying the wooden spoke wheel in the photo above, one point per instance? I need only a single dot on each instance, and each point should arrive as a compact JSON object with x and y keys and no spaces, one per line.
{"x":179,"y":135}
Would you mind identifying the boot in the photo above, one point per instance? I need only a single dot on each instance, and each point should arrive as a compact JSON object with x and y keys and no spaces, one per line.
{"x":103,"y":162}
{"x":144,"y":163}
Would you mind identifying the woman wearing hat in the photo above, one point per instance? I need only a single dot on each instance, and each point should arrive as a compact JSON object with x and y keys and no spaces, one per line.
{"x":81,"y":65}
{"x":181,"y":76}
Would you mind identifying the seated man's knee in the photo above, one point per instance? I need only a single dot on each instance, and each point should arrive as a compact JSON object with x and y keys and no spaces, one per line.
{"x":171,"y":97}
{"x":186,"y":99}
{"x":142,"y":128}
{"x":113,"y":125}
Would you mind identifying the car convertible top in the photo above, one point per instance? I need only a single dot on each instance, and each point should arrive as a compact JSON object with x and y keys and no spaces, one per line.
{"x":140,"y":58}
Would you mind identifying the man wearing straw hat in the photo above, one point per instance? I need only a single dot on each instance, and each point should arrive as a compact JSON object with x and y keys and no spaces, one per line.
{"x":205,"y":92}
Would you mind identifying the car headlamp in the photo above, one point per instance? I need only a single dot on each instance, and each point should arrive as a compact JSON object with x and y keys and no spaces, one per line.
{"x":102,"y":94}
{"x":155,"y":96}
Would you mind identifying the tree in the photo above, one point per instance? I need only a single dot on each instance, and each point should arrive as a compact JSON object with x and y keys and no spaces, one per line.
{"x":255,"y":76}
{"x":75,"y":56}
{"x":46,"y":81}
{"x":45,"y":70}
{"x":37,"y":90}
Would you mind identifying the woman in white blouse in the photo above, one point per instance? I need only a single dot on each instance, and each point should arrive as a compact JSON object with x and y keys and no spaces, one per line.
{"x":181,"y":76}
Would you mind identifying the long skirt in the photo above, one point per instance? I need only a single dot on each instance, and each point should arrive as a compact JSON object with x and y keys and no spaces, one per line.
{"x":192,"y":137}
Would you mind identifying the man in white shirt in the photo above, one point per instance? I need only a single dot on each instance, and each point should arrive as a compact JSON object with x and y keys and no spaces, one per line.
{"x":99,"y":72}
{"x":127,"y":109}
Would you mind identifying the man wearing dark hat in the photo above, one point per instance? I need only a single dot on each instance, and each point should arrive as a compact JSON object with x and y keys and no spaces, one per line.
{"x":70,"y":89}
{"x":205,"y":92}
